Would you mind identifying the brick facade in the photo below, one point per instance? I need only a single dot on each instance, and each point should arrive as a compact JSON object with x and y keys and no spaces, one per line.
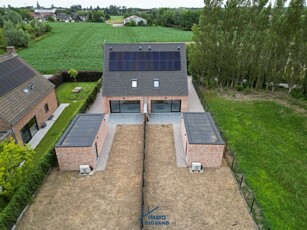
{"x":39,"y":112}
{"x":70,"y":158}
{"x":209,"y":155}
{"x":148,"y":99}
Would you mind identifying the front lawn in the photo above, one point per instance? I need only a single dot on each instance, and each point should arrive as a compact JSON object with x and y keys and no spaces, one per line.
{"x":75,"y":100}
{"x":270,"y":142}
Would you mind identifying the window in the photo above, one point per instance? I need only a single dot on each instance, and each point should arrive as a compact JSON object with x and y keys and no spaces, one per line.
{"x":46,"y":107}
{"x":29,"y":130}
{"x":156,"y":83}
{"x":134,"y":84}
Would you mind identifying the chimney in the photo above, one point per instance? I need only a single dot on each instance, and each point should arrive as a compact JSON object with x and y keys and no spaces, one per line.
{"x":11,"y":50}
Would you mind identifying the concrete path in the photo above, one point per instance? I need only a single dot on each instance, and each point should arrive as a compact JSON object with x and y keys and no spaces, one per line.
{"x":113,"y":120}
{"x":97,"y":107}
{"x":194,"y":102}
{"x":42,"y":132}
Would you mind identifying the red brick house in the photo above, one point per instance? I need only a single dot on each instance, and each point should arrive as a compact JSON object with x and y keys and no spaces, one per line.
{"x":82,"y":142}
{"x":201,"y":140}
{"x":27,"y":99}
{"x":145,"y":77}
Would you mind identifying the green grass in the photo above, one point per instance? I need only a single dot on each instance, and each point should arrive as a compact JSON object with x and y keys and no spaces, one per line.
{"x":270,"y":142}
{"x":79,"y":45}
{"x":117,"y":19}
{"x":64,"y":95}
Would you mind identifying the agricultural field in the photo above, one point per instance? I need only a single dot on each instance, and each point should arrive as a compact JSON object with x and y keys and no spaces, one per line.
{"x":79,"y":45}
{"x":268,"y":135}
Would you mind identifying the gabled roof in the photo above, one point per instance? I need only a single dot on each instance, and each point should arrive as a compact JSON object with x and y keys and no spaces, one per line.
{"x":21,"y":88}
{"x":201,"y":129}
{"x":145,"y":62}
{"x":82,"y":131}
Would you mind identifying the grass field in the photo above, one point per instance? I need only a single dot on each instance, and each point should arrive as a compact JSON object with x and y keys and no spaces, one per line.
{"x":270,"y":142}
{"x":79,"y":45}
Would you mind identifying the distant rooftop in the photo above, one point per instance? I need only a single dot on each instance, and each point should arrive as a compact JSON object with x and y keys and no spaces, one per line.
{"x":201,"y":129}
{"x":82,"y":131}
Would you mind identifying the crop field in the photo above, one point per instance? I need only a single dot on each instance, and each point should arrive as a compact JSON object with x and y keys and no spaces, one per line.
{"x":269,"y":138}
{"x":79,"y":45}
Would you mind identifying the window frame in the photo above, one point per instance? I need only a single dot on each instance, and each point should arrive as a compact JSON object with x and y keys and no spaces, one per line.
{"x":46,"y":108}
{"x":134,"y":85}
{"x":154,"y":83}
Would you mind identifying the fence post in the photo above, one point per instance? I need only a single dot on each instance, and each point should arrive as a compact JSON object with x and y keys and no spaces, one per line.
{"x":252,"y":205}
{"x":241,"y":181}
{"x":233,"y":160}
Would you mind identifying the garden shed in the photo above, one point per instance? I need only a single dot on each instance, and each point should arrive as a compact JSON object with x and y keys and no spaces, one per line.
{"x":82,"y":142}
{"x":202,"y":141}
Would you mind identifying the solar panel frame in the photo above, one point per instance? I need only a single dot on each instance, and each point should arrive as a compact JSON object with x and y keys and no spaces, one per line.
{"x":145,"y":61}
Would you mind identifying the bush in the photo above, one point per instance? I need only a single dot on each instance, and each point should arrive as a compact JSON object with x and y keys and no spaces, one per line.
{"x":298,"y":94}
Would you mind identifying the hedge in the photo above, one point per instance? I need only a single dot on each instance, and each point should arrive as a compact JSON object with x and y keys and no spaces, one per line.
{"x":24,"y":193}
{"x":83,"y":76}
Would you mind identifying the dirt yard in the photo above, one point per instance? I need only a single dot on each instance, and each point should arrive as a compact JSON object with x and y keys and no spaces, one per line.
{"x":107,"y":200}
{"x":208,"y":200}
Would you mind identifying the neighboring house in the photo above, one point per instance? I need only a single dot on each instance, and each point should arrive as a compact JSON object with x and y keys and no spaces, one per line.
{"x":27,"y":99}
{"x":43,"y":14}
{"x":201,"y":140}
{"x":62,"y":17}
{"x":145,"y":78}
{"x":82,"y":142}
{"x":136,"y":19}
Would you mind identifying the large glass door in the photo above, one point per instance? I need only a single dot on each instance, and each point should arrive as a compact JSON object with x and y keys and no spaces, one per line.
{"x":29,"y":130}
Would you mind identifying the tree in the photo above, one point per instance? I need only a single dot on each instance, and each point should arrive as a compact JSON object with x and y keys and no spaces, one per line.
{"x":16,"y":36}
{"x":73,"y":74}
{"x":3,"y":42}
{"x":14,"y":167}
{"x":13,"y":16}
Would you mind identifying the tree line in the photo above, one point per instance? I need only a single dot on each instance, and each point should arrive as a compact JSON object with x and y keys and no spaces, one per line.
{"x":252,"y":44}
{"x":17,"y":31}
{"x":168,"y":17}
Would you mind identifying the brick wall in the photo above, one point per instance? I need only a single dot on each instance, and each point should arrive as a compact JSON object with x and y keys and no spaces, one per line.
{"x":70,"y":158}
{"x":101,"y":135}
{"x":209,"y":156}
{"x":106,"y":101}
{"x":39,"y":112}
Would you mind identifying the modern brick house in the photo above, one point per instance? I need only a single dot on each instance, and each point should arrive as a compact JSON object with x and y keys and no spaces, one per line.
{"x":82,"y":141}
{"x":145,"y":78}
{"x":27,"y":99}
{"x":201,"y":140}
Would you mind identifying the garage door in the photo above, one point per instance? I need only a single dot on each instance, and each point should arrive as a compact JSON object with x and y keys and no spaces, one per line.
{"x":125,"y":106}
{"x":165,"y":106}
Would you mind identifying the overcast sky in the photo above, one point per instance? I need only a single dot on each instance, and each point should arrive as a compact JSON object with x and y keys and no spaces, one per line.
{"x":104,"y":3}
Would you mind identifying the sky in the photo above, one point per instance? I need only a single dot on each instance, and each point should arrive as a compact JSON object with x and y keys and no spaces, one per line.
{"x":145,"y":4}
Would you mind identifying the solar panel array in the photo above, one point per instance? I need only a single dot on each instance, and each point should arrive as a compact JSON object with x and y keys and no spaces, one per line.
{"x":199,"y":128}
{"x":83,"y":131}
{"x":13,"y":72}
{"x":145,"y":61}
